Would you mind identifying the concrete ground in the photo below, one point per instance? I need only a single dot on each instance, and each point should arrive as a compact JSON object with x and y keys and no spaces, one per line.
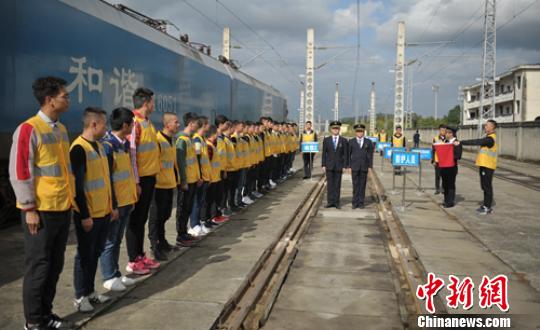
{"x":460,"y":242}
{"x":187,"y":292}
{"x":341,"y":277}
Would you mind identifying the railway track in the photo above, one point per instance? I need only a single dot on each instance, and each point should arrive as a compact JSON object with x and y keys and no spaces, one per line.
{"x":253,"y":302}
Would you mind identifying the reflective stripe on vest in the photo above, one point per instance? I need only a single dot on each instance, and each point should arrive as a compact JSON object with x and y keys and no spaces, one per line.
{"x":147,"y":151}
{"x":120,"y":176}
{"x":51,"y":170}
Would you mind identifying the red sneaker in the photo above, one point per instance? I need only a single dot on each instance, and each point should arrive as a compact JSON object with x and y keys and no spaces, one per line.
{"x":137,"y":267}
{"x":220,"y":219}
{"x":150,"y":263}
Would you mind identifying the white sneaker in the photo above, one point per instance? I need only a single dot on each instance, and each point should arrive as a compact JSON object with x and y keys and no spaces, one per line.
{"x":97,"y":298}
{"x":272,"y":183}
{"x":127,"y":281}
{"x":83,"y":305}
{"x":257,"y":194}
{"x":205,"y":230}
{"x":247,"y":200}
{"x":114,"y":284}
{"x":196,"y":231}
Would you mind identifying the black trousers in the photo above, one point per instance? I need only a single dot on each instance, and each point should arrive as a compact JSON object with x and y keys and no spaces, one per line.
{"x":224,"y":192}
{"x":333,"y":186}
{"x":266,"y":171}
{"x":138,"y":218}
{"x":232,"y":185}
{"x":43,"y":263}
{"x":184,"y":205}
{"x":251,"y":181}
{"x":486,"y":180}
{"x":359,"y":180}
{"x":276,"y":168}
{"x":89,"y":247}
{"x":437,"y":177}
{"x":448,"y":176}
{"x":308,"y":158}
{"x":160,"y":211}
{"x":211,"y":204}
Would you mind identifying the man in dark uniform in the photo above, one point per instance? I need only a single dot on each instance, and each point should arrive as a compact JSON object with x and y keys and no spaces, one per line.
{"x":360,"y":161}
{"x":334,"y":160}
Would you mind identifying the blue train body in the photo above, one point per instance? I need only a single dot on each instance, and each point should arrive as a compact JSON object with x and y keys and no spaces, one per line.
{"x":105,"y":54}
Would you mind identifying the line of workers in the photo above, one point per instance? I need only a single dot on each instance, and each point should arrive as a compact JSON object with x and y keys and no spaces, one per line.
{"x":111,"y":182}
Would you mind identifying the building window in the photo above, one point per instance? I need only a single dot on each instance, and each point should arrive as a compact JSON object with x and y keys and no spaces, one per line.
{"x":518,"y":82}
{"x":517,"y":107}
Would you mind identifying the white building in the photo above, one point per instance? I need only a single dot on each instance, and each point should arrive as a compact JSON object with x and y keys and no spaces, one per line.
{"x":517,"y":97}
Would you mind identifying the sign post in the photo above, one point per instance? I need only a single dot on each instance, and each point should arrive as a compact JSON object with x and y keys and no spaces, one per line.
{"x":405,"y":159}
{"x":388,"y":152}
{"x":310,"y":147}
{"x":425,"y":154}
{"x":380,"y":148}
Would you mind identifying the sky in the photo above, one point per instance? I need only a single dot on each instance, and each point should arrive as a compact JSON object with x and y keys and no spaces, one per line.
{"x":271,"y":35}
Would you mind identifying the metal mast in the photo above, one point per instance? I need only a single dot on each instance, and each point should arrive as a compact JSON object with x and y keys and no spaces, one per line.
{"x":301,"y":121}
{"x":400,"y":75}
{"x":226,"y":49}
{"x":310,"y":78}
{"x":372,"y":117}
{"x":336,"y":103}
{"x":487,"y":88}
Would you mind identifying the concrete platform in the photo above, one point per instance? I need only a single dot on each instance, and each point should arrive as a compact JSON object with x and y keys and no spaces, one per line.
{"x":458,"y":241}
{"x":187,"y":292}
{"x":341,"y":278}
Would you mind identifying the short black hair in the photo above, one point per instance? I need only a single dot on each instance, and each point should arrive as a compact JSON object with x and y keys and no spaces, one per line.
{"x":119,"y":117}
{"x":141,"y":96}
{"x":493,"y":122}
{"x":91,"y":113}
{"x":203,"y":120}
{"x":189,"y":117}
{"x":249,"y":123}
{"x":309,"y":122}
{"x":47,"y":86}
{"x":220,"y":119}
{"x":442,"y":126}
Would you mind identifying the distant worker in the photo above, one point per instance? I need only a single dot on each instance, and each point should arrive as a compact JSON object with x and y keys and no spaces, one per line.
{"x":335,"y":155}
{"x":308,"y":135}
{"x":382,"y":136}
{"x":398,"y":141}
{"x":449,"y":173}
{"x":440,"y":138}
{"x":360,"y":160}
{"x":486,"y":162}
{"x":40,"y":173}
{"x":416,"y":139}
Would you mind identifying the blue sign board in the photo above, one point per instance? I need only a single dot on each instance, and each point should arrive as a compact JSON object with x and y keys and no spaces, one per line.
{"x":388,"y":151}
{"x":374,"y":139}
{"x":425,"y":153}
{"x":310,"y":147}
{"x":383,"y":145}
{"x":403,"y":158}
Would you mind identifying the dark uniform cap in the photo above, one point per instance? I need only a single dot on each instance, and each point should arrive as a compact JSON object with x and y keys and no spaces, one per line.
{"x":359,"y":127}
{"x":335,"y":124}
{"x":453,"y":129}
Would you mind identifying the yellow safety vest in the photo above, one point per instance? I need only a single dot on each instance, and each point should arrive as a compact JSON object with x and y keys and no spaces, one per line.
{"x":221,"y":152}
{"x":147,"y":149}
{"x":487,"y":157}
{"x":398,"y":141}
{"x":204,"y":160}
{"x":215,"y":173}
{"x":241,"y":152}
{"x":192,"y":165}
{"x":308,"y":137}
{"x":382,"y":137}
{"x":267,"y":144}
{"x":260,"y":149}
{"x":168,"y":176}
{"x":53,"y":180}
{"x":125,"y":186}
{"x":232,"y":163}
{"x":252,"y":147}
{"x":97,"y":185}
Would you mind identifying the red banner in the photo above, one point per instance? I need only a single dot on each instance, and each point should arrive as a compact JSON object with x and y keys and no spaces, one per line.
{"x":445,"y":153}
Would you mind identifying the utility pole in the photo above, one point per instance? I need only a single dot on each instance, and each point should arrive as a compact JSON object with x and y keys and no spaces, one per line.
{"x":400,"y":75}
{"x":301,"y":119}
{"x":226,"y":51}
{"x":435,"y":89}
{"x":487,"y":88}
{"x":336,"y":103}
{"x":310,"y":77}
{"x":372,"y":116}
